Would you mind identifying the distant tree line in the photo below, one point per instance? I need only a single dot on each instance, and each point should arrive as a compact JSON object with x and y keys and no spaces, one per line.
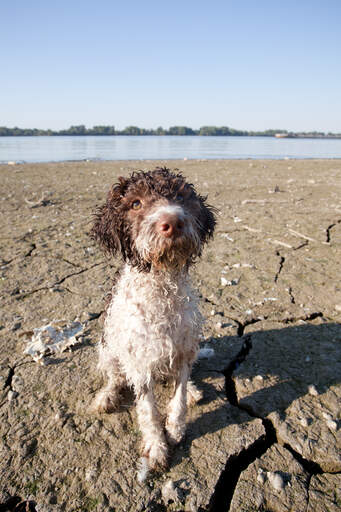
{"x":173,"y":130}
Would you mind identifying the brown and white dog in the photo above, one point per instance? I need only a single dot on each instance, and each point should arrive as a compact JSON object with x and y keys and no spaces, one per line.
{"x":152,"y":327}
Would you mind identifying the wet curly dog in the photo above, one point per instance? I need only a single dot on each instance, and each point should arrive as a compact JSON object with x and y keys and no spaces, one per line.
{"x":159,"y":224}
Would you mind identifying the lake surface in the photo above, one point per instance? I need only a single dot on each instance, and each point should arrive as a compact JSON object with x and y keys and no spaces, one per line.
{"x":56,"y":149}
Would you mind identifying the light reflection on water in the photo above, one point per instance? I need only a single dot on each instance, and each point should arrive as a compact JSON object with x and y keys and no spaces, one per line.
{"x":49,"y":149}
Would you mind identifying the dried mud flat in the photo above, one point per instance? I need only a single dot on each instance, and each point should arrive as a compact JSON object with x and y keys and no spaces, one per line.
{"x":266,"y":436}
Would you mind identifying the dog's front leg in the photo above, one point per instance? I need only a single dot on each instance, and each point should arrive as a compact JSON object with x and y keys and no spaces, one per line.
{"x":177,"y":407}
{"x":153,"y":439}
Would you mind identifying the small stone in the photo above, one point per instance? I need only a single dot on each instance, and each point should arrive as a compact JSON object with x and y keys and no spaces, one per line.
{"x":223,"y":281}
{"x":90,"y":474}
{"x":332,"y":424}
{"x":212,"y":312}
{"x":338,"y":307}
{"x":276,"y":480}
{"x":312,"y":390}
{"x":261,"y":476}
{"x":327,"y":416}
{"x":218,"y":325}
{"x":304,"y":422}
{"x":307,"y":359}
{"x":12,"y":395}
{"x":169,"y":492}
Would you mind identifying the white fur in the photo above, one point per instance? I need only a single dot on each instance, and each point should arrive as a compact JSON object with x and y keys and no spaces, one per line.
{"x":152,"y":329}
{"x":153,"y":317}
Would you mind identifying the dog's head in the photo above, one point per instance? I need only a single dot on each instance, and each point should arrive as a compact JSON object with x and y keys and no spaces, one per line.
{"x":154,"y":219}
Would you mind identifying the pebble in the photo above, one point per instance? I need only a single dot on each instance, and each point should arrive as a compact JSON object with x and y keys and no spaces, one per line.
{"x":169,"y":492}
{"x":90,"y":474}
{"x":225,"y":282}
{"x":312,"y":390}
{"x":332,"y":424}
{"x":338,"y":307}
{"x":12,"y":395}
{"x":276,"y":480}
{"x":304,"y":422}
{"x":261,"y":477}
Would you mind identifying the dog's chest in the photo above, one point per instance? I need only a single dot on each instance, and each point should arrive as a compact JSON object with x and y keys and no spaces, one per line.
{"x":154,"y":314}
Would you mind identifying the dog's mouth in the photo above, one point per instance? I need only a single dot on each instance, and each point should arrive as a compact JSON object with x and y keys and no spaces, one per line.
{"x":174,"y":252}
{"x":170,"y":253}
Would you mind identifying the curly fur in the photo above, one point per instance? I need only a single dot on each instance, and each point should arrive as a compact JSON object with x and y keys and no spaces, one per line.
{"x":159,"y":224}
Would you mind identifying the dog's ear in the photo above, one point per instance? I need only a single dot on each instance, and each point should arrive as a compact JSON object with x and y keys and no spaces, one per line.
{"x":108,"y":224}
{"x":207,"y":220}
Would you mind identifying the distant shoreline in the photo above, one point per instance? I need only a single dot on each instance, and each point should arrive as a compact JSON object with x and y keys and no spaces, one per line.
{"x":177,"y":161}
{"x":204,"y":131}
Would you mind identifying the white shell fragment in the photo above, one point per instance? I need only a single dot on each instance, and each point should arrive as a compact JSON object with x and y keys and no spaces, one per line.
{"x":53,"y":338}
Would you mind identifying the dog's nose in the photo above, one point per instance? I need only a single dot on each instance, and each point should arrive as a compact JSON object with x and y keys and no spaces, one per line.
{"x":170,"y":225}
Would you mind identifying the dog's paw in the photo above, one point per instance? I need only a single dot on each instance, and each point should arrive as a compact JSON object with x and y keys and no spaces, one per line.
{"x":105,"y":401}
{"x":174,"y":432}
{"x":194,"y":395}
{"x":157,"y":455}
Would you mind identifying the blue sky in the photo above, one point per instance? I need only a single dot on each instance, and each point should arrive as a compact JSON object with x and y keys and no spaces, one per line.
{"x":247,"y":64}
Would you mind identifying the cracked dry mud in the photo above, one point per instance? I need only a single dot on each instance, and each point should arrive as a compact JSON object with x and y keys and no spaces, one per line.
{"x":266,"y":436}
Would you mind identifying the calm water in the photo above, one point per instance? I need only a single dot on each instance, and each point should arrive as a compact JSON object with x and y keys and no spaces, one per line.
{"x":55,"y":149}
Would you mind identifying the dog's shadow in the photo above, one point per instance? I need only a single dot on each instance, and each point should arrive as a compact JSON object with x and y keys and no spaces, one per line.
{"x":295,"y":358}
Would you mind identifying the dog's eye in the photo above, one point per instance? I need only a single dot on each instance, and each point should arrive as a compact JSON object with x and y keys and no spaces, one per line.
{"x":179,"y":197}
{"x":136,"y":205}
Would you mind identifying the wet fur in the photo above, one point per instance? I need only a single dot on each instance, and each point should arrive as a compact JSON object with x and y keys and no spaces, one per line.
{"x":152,"y":323}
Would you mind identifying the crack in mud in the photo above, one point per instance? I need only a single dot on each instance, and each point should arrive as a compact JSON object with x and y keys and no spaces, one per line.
{"x":70,"y":262}
{"x":56,"y":283}
{"x":235,"y":465}
{"x":280,"y":268}
{"x":8,"y":381}
{"x":304,"y":244}
{"x":310,"y":466}
{"x":29,"y":253}
{"x":17,"y":504}
{"x":230,"y":388}
{"x":328,"y":230}
{"x":224,"y":490}
{"x":242,"y":326}
{"x":291,"y":295}
{"x":306,"y":318}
